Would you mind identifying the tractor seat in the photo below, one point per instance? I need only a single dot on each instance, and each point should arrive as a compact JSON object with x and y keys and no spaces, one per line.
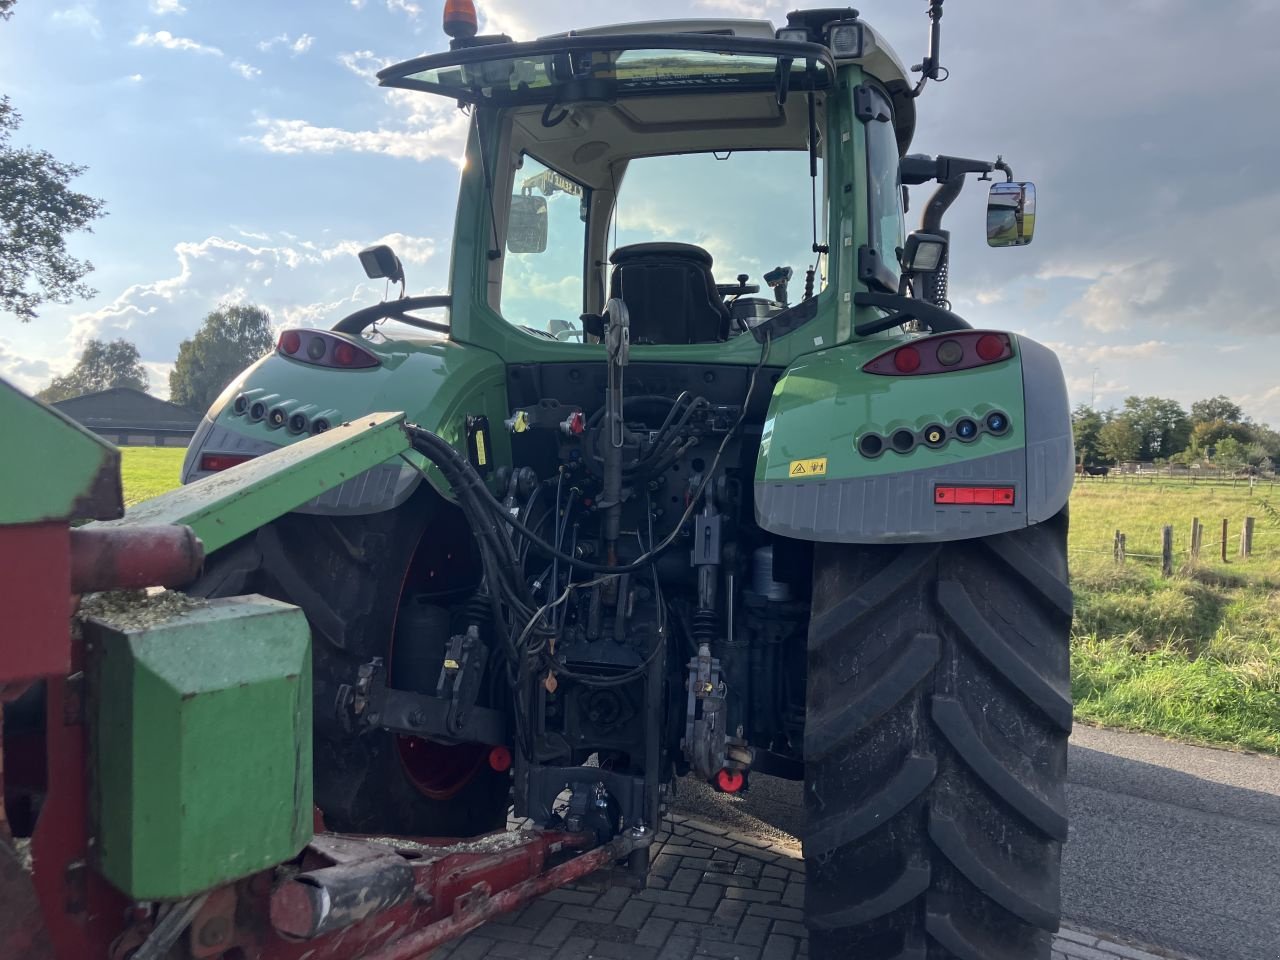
{"x":670,"y":293}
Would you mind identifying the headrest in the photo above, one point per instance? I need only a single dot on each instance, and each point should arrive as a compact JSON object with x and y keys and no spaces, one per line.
{"x":679,"y":251}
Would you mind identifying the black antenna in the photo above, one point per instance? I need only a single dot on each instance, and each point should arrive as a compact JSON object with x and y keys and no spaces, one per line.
{"x":930,"y":67}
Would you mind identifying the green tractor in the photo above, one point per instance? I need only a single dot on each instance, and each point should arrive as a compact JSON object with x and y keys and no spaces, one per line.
{"x":665,"y":519}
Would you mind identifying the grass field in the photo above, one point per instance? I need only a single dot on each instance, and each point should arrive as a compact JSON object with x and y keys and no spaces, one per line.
{"x":1196,"y":656}
{"x":148,"y":471}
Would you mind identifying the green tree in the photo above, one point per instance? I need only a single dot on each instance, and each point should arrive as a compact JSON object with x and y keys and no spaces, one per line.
{"x":1230,"y":454}
{"x":38,"y":209}
{"x":1163,"y":426}
{"x":1119,"y":439}
{"x":1209,"y":433}
{"x":231,"y":338}
{"x":101,"y":366}
{"x":1216,"y":408}
{"x":1086,"y":424}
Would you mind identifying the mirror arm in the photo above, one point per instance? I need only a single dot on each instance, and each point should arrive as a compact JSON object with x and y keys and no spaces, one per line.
{"x":902,"y":309}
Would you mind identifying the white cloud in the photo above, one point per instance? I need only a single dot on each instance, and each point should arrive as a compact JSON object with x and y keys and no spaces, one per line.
{"x":135,"y":78}
{"x":25,"y":373}
{"x":738,"y":8}
{"x":161,"y":7}
{"x":407,"y":7}
{"x":158,"y":314}
{"x":1090,"y":353}
{"x":165,"y":39}
{"x":299,"y":45}
{"x":299,"y":136}
{"x":245,"y":70}
{"x":80,"y":17}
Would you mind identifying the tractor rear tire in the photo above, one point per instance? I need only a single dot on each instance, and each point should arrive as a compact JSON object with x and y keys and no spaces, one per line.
{"x":348,"y":575}
{"x":938,"y":710}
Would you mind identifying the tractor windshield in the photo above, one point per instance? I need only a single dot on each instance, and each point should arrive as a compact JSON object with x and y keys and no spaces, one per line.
{"x":609,"y":68}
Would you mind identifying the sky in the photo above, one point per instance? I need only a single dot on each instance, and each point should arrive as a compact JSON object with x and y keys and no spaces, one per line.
{"x":246,"y":154}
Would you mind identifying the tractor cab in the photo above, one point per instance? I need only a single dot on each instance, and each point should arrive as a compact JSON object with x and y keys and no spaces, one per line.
{"x":679,"y":167}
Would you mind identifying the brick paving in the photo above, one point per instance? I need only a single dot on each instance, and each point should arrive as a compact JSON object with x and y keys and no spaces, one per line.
{"x":712,"y":892}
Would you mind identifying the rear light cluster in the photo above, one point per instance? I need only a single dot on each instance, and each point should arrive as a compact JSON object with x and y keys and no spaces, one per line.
{"x":323,"y":349}
{"x":297,"y":417}
{"x":935,"y":435}
{"x":943,"y":354}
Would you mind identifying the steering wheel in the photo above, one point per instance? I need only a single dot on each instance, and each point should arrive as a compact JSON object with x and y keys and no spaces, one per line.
{"x":395,"y":310}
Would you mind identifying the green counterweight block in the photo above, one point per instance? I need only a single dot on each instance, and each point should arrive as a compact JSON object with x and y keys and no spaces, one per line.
{"x":201,"y":739}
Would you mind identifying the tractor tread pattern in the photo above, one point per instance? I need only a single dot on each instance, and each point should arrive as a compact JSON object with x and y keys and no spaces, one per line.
{"x":837,"y":830}
{"x":825,"y":732}
{"x":1017,"y":891}
{"x":944,"y":921}
{"x":1021,"y":561}
{"x":877,"y":591}
{"x":1050,"y":698}
{"x":913,"y":881}
{"x":1046,"y":813}
{"x":938,"y":712}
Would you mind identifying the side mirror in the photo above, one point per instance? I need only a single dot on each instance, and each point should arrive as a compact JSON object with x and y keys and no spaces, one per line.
{"x":527,"y":225}
{"x":381,"y":261}
{"x":1011,"y":214}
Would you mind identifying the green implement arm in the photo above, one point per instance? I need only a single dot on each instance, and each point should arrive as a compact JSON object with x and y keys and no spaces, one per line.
{"x":229,"y":505}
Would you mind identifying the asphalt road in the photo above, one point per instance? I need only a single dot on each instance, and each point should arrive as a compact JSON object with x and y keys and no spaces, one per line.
{"x":1172,"y":845}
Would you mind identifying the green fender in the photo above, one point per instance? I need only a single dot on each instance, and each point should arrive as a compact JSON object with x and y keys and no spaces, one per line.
{"x":435,"y":381}
{"x":814,"y":482}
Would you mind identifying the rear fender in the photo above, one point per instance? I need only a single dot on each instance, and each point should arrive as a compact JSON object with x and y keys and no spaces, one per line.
{"x":437,"y":383}
{"x":813,"y":482}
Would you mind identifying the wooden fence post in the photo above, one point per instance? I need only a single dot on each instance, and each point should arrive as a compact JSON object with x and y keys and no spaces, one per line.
{"x":1117,"y":552}
{"x":1246,"y":538}
{"x":1166,"y":551}
{"x":1224,"y":539}
{"x":1122,"y":541}
{"x":1196,"y":531}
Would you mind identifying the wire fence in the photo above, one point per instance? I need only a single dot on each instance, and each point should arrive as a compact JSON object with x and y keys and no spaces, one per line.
{"x":1195,"y":550}
{"x":1162,"y":475}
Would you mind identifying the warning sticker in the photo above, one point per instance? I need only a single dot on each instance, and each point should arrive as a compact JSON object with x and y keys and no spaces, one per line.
{"x":816,"y":467}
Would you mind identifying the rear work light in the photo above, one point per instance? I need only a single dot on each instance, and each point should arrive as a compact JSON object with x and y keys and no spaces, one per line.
{"x":943,"y":353}
{"x":974,"y":496}
{"x":213,"y":462}
{"x":323,"y":349}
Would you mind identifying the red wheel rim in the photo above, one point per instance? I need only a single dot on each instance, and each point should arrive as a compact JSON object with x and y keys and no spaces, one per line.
{"x":440,"y":771}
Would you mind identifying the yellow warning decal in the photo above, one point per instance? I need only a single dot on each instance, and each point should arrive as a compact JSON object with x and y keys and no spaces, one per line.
{"x":482,"y":458}
{"x":816,"y":467}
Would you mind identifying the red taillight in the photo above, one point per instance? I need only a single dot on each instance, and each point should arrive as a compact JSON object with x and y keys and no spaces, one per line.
{"x":906,"y":359}
{"x":323,"y":349}
{"x":943,"y":353}
{"x":991,"y":347}
{"x":214,"y":462}
{"x":344,"y":354}
{"x":974,"y":496}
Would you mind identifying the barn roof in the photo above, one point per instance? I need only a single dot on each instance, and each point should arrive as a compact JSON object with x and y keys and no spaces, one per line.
{"x":124,"y":408}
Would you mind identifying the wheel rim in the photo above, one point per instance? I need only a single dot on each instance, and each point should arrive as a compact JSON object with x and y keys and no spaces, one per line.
{"x":438,"y":770}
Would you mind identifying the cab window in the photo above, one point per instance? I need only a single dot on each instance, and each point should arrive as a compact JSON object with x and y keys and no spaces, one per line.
{"x":886,"y":227}
{"x":542,"y":276}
